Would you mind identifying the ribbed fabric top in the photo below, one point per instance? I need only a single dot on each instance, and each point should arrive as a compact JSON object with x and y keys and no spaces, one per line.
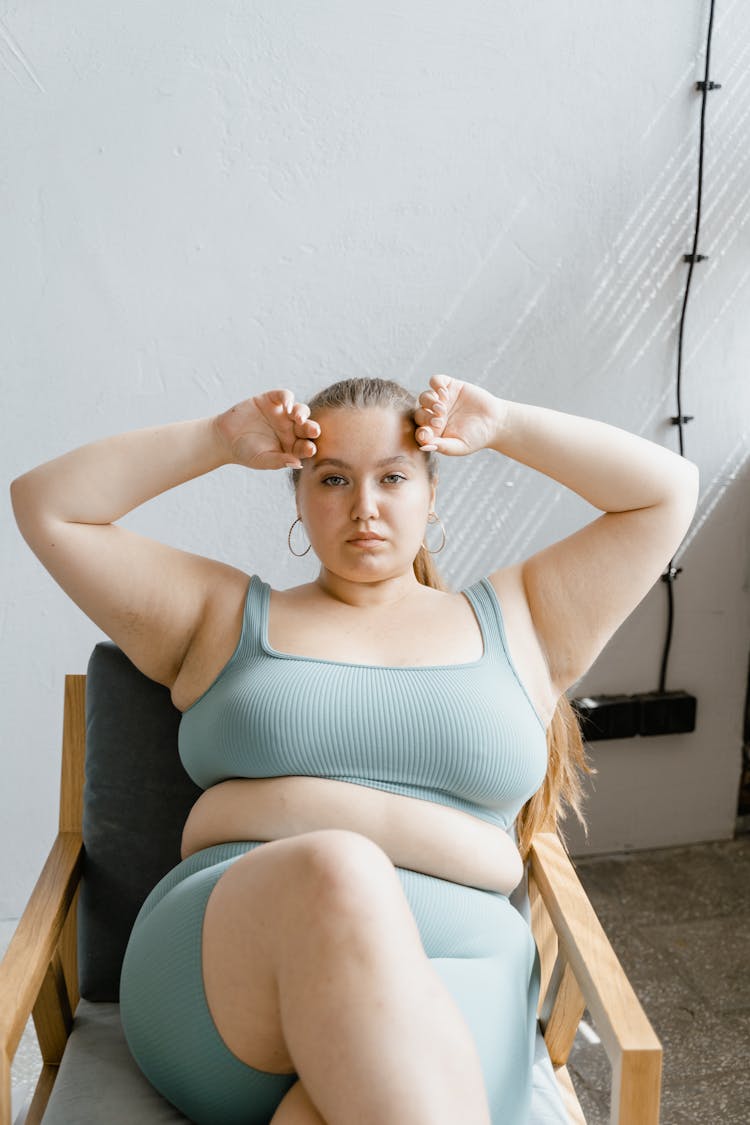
{"x":463,"y":735}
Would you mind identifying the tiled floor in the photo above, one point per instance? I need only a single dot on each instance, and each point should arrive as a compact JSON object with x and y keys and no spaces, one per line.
{"x":679,"y":921}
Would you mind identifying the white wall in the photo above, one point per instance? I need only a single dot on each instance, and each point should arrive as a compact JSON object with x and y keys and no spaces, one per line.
{"x":199,"y":202}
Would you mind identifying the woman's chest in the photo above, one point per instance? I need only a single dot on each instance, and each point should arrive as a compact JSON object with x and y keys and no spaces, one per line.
{"x":442,"y":631}
{"x":465,"y":737}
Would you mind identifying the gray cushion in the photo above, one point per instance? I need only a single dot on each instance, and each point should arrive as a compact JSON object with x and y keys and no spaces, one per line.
{"x":99,"y":1084}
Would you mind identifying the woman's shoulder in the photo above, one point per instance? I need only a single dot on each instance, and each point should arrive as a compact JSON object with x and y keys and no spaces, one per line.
{"x":507,"y":583}
{"x":508,"y":586}
{"x":217,"y":634}
{"x":227,"y":583}
{"x":522,"y":638}
{"x":228,"y":592}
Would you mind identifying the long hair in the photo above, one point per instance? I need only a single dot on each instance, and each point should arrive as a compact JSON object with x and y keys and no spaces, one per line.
{"x":566,"y":757}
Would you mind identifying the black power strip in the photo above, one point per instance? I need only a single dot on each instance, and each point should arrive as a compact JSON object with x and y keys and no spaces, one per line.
{"x":624,"y":716}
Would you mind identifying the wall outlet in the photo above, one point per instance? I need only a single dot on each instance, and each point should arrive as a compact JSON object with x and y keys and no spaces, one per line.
{"x":624,"y":716}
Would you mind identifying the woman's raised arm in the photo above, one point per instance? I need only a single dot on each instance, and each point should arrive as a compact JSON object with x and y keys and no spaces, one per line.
{"x":582,"y":588}
{"x":148,"y":597}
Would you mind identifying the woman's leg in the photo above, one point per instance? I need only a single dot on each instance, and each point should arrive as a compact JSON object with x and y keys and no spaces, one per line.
{"x":313,"y":962}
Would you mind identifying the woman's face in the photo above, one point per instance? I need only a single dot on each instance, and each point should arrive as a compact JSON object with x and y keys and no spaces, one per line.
{"x":365,"y":496}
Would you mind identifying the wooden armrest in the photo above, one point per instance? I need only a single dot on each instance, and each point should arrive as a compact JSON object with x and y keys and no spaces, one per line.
{"x":38,"y":974}
{"x":33,"y":947}
{"x":586,"y":954}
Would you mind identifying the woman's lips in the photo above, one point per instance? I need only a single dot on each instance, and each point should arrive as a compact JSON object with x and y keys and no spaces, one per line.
{"x":365,"y":541}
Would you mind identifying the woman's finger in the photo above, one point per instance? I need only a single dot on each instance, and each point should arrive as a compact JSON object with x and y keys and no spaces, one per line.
{"x":289,"y":462}
{"x":304,"y":448}
{"x":423,"y":417}
{"x":282,"y":397}
{"x":440,"y":383}
{"x":452,"y":447}
{"x":307,"y":429}
{"x":437,"y":422}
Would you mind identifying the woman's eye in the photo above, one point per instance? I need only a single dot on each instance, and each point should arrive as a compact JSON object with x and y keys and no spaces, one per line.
{"x":334,"y":481}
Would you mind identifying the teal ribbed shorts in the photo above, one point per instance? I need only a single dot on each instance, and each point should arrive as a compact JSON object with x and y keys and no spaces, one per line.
{"x":478,"y":943}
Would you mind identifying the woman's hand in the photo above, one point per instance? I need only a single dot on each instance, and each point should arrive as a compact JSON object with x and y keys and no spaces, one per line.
{"x":268,"y":431}
{"x":455,"y":417}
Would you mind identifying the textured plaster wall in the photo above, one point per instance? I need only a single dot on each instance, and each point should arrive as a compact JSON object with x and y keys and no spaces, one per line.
{"x":199,"y":202}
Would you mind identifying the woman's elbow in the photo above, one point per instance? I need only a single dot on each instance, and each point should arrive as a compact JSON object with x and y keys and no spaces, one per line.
{"x":19,"y":499}
{"x":684,"y":493}
{"x":690,"y":490}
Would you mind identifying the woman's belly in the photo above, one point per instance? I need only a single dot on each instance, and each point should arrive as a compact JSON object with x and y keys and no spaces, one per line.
{"x":415,"y":834}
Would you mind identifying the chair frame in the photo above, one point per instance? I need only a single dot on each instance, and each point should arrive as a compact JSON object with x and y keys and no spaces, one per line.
{"x":579,"y":968}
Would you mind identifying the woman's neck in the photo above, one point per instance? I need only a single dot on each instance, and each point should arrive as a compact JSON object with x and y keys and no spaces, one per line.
{"x":386,"y":592}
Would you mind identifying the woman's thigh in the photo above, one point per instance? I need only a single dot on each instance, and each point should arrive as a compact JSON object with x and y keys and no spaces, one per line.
{"x":199,"y":993}
{"x":262,"y":914}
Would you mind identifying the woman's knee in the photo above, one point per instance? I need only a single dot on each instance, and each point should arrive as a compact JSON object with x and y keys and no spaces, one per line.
{"x":341,"y":867}
{"x":353,"y":900}
{"x":328,"y":867}
{"x":317,"y":890}
{"x":334,"y":849}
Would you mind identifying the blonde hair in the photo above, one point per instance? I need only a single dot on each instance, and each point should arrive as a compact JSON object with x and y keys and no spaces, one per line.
{"x":566,"y":757}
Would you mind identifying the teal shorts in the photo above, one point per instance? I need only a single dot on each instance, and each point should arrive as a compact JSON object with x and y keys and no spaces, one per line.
{"x":479,"y":944}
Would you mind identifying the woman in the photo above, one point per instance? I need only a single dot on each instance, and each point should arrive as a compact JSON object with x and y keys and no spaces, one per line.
{"x":337,"y":944}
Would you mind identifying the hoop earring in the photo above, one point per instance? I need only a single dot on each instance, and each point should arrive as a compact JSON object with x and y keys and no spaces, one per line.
{"x":435,"y":518}
{"x":297,"y":554}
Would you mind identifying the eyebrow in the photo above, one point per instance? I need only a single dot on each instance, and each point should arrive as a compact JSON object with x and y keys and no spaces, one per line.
{"x":399,"y":457}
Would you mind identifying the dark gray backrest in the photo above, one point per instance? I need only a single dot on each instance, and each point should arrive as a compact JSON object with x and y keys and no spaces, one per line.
{"x":136,"y":799}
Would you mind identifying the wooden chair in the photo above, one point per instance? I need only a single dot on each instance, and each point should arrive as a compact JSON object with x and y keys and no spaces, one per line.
{"x":120,"y":713}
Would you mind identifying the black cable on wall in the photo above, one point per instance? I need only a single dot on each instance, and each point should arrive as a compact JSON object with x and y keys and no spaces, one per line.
{"x":681,"y":419}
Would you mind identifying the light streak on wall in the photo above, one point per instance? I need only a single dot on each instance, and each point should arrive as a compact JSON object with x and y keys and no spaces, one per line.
{"x":723,"y":479}
{"x":13,"y":48}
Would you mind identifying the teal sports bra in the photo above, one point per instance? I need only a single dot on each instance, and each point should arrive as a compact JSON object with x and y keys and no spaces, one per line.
{"x":463,"y":735}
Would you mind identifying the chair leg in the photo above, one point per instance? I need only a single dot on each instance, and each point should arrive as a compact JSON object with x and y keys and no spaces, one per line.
{"x":564,"y":1006}
{"x":636,"y":1087}
{"x":38,"y":1106}
{"x":5,"y":1106}
{"x":69,"y":953}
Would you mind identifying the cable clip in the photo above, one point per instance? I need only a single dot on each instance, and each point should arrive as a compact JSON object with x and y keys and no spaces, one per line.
{"x":670,"y":575}
{"x":707,"y":86}
{"x":694,"y":257}
{"x":679,"y":419}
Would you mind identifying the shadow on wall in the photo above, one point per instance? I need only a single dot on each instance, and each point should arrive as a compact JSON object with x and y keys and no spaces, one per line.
{"x":681,"y":788}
